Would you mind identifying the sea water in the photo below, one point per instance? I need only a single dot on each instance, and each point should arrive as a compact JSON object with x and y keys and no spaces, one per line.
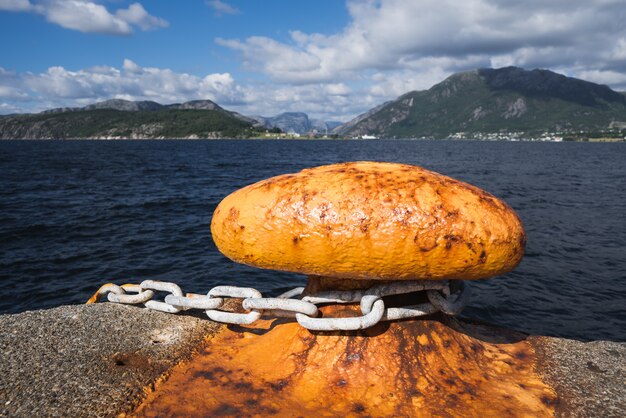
{"x":77,"y":214}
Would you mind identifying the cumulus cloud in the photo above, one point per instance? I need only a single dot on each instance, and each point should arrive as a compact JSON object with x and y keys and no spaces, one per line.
{"x":222,"y":8}
{"x":619,"y":51}
{"x":88,"y":16}
{"x":9,"y":108}
{"x":608,"y":77}
{"x":15,"y":5}
{"x":333,"y":101}
{"x":137,"y":15}
{"x":387,"y":48}
{"x":84,"y":17}
{"x":60,"y":87}
{"x":396,"y":35}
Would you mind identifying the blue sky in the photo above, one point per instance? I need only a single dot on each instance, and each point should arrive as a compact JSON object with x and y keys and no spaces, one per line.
{"x":186,"y":44}
{"x":330,"y":58}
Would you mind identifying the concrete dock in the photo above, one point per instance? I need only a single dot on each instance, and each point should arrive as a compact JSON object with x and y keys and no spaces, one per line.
{"x":99,"y":360}
{"x":89,"y":360}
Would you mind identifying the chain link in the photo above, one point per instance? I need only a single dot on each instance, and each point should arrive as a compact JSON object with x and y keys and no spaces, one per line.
{"x":453,"y":304}
{"x":194,"y":301}
{"x":234,"y":292}
{"x":169,"y":287}
{"x":449,"y":298}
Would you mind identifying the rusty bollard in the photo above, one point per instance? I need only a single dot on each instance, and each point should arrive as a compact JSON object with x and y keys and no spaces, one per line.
{"x":353,"y":226}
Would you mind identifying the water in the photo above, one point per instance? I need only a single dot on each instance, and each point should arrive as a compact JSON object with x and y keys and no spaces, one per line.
{"x":76,"y":214}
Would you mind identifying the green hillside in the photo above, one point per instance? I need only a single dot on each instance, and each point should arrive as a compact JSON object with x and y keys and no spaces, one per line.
{"x":111,"y":123}
{"x":496,"y":101}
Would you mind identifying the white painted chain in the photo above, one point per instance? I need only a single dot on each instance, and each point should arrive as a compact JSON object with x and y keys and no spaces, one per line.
{"x":235,"y":292}
{"x":290,"y":304}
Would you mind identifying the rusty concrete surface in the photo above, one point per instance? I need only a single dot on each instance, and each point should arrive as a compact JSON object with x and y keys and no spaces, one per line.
{"x":99,"y":360}
{"x":420,"y":368}
{"x":89,"y":360}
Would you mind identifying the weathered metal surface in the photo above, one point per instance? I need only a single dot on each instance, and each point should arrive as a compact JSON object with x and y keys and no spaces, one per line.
{"x":434,"y":367}
{"x":369,"y":220}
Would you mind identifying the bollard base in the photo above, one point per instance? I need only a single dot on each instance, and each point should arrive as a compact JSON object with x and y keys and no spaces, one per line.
{"x":430,"y":367}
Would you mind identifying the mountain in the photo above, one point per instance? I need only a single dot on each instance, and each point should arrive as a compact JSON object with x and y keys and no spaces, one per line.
{"x":194,"y":104}
{"x":296,"y":122}
{"x":332,"y":124}
{"x":127,"y":119}
{"x":290,"y":122}
{"x":124,"y":105}
{"x":115,"y":104}
{"x":146,"y":105}
{"x":505,"y":100}
{"x":355,"y":126}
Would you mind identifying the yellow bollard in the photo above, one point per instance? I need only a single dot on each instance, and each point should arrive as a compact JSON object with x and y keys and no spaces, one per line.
{"x":349,"y":226}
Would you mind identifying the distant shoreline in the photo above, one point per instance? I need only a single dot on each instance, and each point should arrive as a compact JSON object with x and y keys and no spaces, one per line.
{"x":295,"y":139}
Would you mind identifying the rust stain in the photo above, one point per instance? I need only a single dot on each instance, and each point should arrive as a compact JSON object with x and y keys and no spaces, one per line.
{"x":432,"y":367}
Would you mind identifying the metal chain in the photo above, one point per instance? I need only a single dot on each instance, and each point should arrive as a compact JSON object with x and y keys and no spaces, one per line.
{"x":449,"y":298}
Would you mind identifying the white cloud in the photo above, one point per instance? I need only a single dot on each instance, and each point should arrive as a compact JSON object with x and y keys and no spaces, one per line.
{"x":323,"y":101}
{"x":15,"y":5}
{"x":137,"y":15}
{"x":61,"y":87}
{"x":9,"y":92}
{"x":388,"y":47}
{"x":278,"y":60}
{"x":130,"y":66}
{"x":84,"y":16}
{"x":221,"y":7}
{"x":392,"y":35}
{"x":9,"y":86}
{"x":619,"y":52}
{"x":337,"y":89}
{"x":389,"y":84}
{"x":8,"y":108}
{"x":611,"y":78}
{"x":88,"y":16}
